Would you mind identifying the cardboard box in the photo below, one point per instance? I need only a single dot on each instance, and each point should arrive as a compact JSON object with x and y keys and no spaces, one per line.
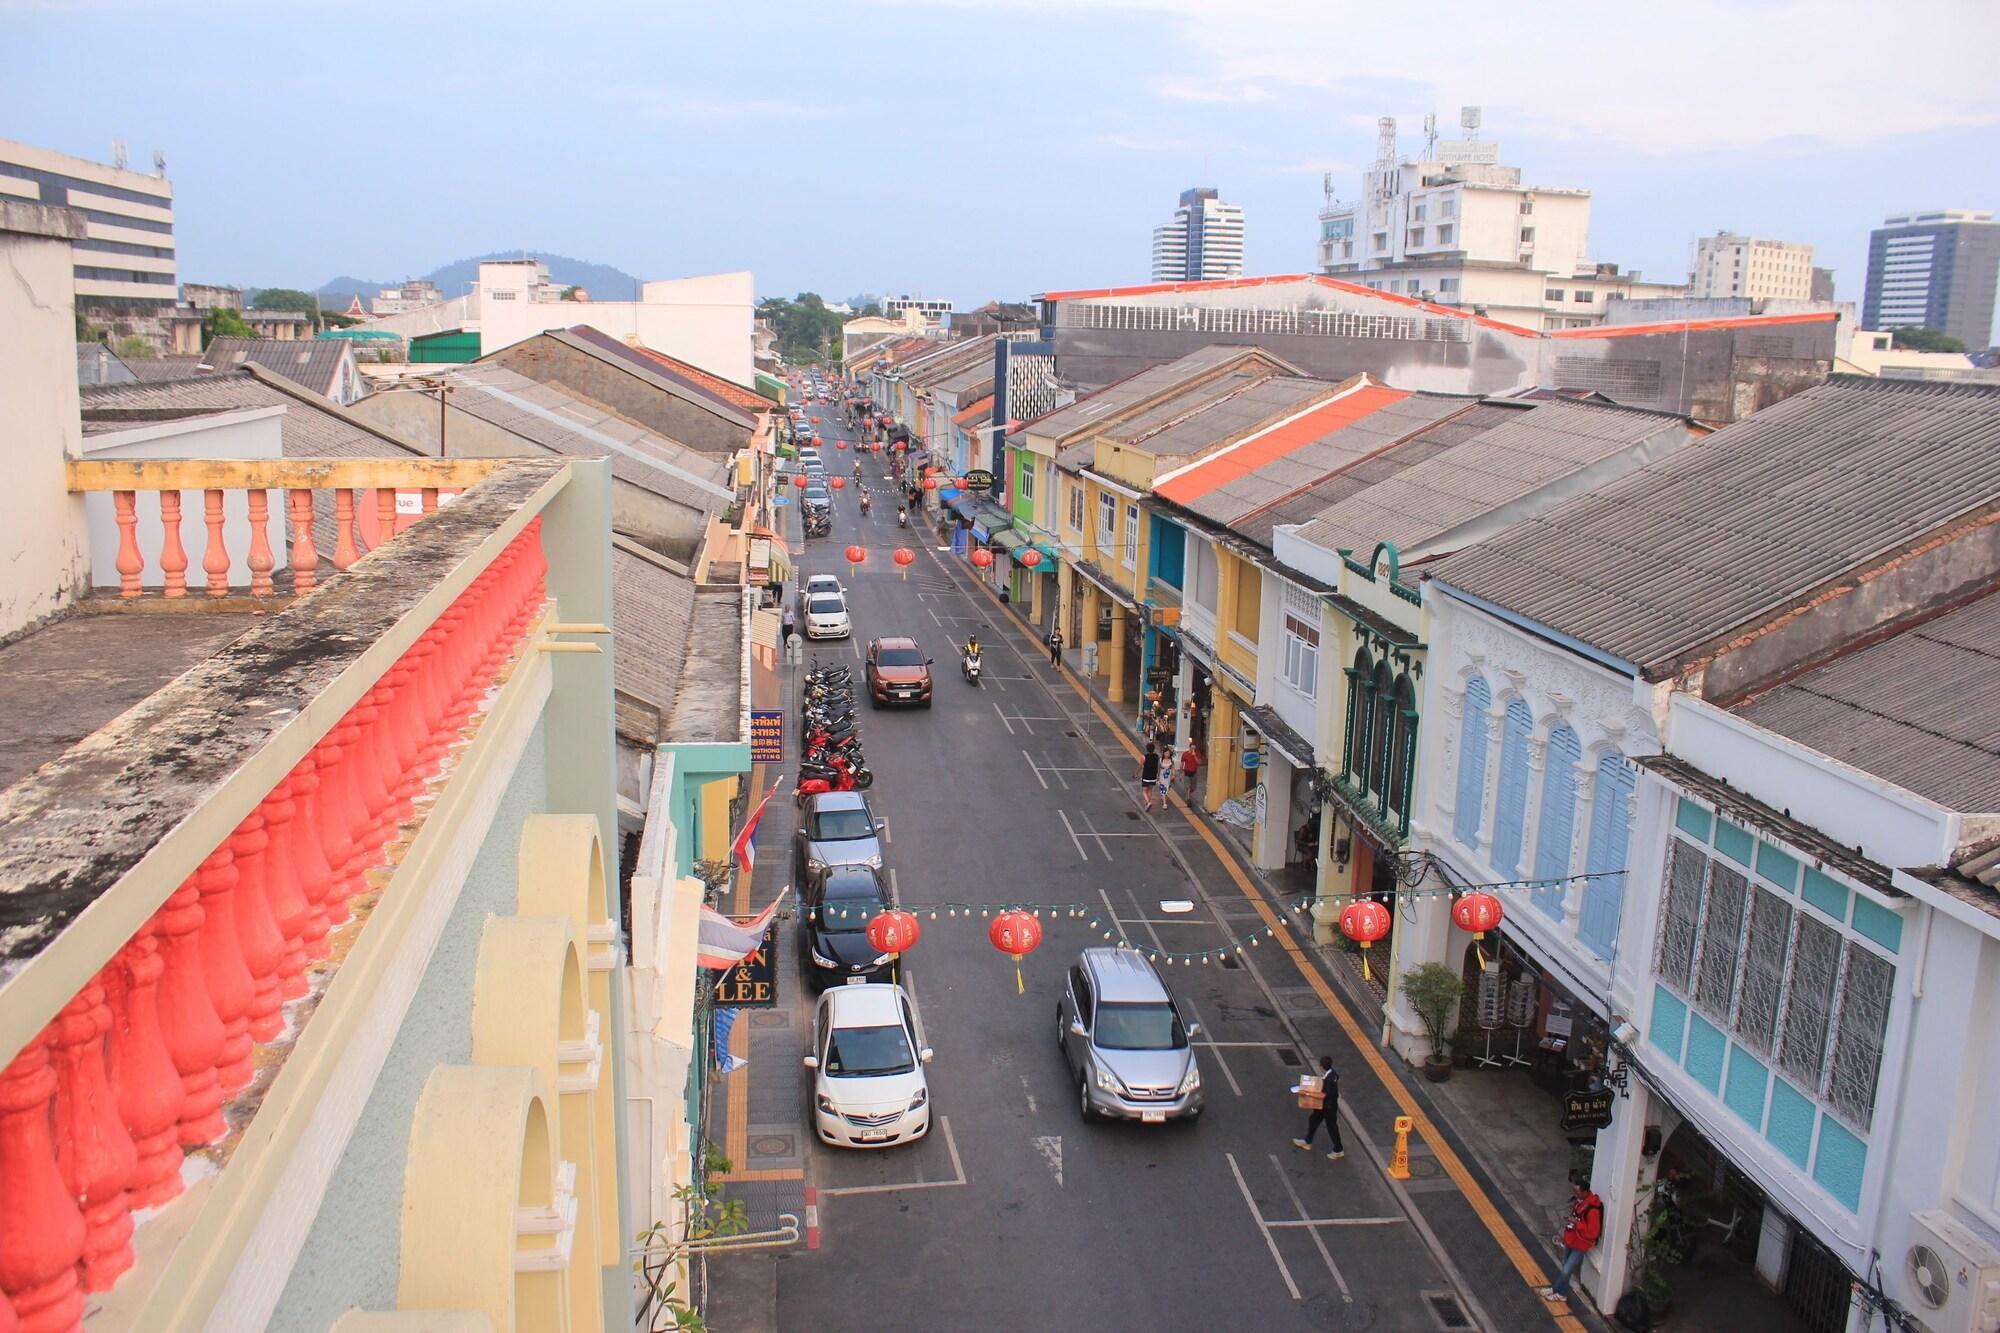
{"x":1312,"y":1094}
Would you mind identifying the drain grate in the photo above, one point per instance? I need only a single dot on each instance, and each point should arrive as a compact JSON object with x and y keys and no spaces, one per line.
{"x":1132,"y":815}
{"x":1447,"y":1311}
{"x":1288,"y":1057}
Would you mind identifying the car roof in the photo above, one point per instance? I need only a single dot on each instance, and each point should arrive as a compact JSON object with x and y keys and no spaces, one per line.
{"x":838,"y":800}
{"x":874,"y":1004}
{"x":896,"y":641}
{"x":1123,"y":974}
{"x":813,"y":579}
{"x":847,"y":872}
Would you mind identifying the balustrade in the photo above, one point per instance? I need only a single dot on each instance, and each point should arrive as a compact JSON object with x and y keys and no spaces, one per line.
{"x":98,"y":1110}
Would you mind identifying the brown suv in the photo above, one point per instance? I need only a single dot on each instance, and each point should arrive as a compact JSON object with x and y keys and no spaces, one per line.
{"x":898,"y":673}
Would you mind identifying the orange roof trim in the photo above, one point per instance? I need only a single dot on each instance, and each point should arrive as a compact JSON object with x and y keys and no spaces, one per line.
{"x":1696,"y":325}
{"x":983,"y":406}
{"x":728,"y":390}
{"x":1245,"y":457}
{"x":1317,"y":279}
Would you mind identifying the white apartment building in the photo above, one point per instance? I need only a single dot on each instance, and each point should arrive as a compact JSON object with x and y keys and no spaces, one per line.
{"x":125,"y":260}
{"x":1458,"y":228}
{"x":1204,"y":242}
{"x":1727,"y":264}
{"x":936,"y":313}
{"x":415,"y":295}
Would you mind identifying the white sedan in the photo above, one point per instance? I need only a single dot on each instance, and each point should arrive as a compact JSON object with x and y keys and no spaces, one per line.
{"x":826,"y":617}
{"x":868,"y":1058}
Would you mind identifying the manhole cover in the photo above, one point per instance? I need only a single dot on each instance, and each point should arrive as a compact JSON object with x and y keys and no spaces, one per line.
{"x":1288,"y":1057}
{"x":770,"y":1018}
{"x":1424,"y":1168}
{"x":1132,"y":815}
{"x":1447,"y":1311}
{"x":771,"y":1145}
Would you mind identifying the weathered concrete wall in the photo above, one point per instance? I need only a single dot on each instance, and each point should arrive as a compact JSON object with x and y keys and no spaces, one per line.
{"x":1490,"y":363}
{"x":547,"y":361}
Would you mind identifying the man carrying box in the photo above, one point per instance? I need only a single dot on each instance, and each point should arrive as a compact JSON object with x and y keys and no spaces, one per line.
{"x":1320,"y":1094}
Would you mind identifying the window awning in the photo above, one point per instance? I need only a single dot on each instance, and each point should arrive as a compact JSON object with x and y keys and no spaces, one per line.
{"x":1266,"y":723}
{"x":948,"y":494}
{"x":963,"y":505}
{"x":1008,"y":540}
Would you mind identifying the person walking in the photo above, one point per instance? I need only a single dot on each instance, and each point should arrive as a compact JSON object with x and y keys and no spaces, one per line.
{"x":791,"y":628}
{"x":1190,"y":765}
{"x":1325,"y":1089}
{"x":1055,"y":645}
{"x":1579,"y":1238}
{"x":1149,"y":774}
{"x":1166,"y":779}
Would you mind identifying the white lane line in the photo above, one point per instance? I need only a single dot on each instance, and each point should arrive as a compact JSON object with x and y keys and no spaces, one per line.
{"x":1003,"y":718}
{"x":1269,"y":1241}
{"x":895,"y":896}
{"x":1265,"y":1045}
{"x":1064,"y":815}
{"x":957,"y":1171}
{"x":1318,"y":1243}
{"x":1343,"y":1222}
{"x":1035,"y":769}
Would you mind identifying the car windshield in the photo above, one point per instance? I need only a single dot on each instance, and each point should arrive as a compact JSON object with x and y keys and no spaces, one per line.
{"x":1139,"y":1027}
{"x":841,"y":825}
{"x":825,"y":606}
{"x":851,"y":903}
{"x":900,"y":657}
{"x":869,"y":1052}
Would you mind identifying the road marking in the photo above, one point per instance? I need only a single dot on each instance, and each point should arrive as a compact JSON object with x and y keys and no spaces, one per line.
{"x":1033,"y":1109}
{"x":1343,"y":1222}
{"x":1003,"y":719}
{"x":1036,"y":770}
{"x":1050,"y":1147}
{"x":957,"y":1170}
{"x":1256,"y":1216}
{"x":1064,"y":816}
{"x":1318,"y":1243}
{"x":812,"y":1219}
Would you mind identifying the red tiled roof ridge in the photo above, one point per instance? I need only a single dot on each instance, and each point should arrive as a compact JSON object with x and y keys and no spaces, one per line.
{"x":1277,"y":441}
{"x":729,"y":390}
{"x":1695,"y":325}
{"x":1317,"y":279}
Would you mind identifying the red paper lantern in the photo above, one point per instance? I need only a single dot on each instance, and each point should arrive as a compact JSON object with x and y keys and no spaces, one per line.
{"x":1364,"y":921}
{"x":856,"y":554}
{"x":1016,"y":934}
{"x":840,"y":444}
{"x":905,"y":556}
{"x":930,"y":483}
{"x":1028,"y":558}
{"x":799,"y":480}
{"x":894,"y":931}
{"x":1477,"y":913}
{"x":982,"y":557}
{"x":958,"y":483}
{"x":837,"y":483}
{"x":815,"y":421}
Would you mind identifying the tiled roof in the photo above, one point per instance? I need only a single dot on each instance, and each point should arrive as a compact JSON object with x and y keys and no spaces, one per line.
{"x":313,"y":426}
{"x":1120,"y":396}
{"x":954,"y":361}
{"x":572,"y":428}
{"x":655,"y":369}
{"x":982,"y":407}
{"x":652,"y":614}
{"x":1222,"y":409}
{"x":730,"y":392}
{"x":1920,"y":709}
{"x":1662,"y":562}
{"x":163,"y":369}
{"x":978,"y":375}
{"x":313,"y":362}
{"x":1517,"y":459}
{"x":1269,"y":463}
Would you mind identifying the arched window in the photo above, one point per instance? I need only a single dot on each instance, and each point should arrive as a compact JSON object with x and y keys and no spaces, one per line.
{"x":1510,"y":808}
{"x":1468,"y":806}
{"x":1610,"y":822}
{"x":1558,"y":821}
{"x":1384,"y":698}
{"x":1360,"y":688}
{"x":1402,"y":752}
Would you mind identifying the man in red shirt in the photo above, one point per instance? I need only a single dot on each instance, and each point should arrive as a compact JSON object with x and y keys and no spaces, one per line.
{"x":1579,"y":1237}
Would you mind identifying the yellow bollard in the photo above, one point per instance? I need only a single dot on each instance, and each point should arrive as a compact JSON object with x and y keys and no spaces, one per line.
{"x":1399,"y":1163}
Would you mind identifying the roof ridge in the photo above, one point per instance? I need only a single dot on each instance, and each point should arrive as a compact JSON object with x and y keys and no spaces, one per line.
{"x":320,"y":403}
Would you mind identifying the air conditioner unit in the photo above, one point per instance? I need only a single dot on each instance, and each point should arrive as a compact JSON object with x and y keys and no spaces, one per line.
{"x":1951,"y":1277}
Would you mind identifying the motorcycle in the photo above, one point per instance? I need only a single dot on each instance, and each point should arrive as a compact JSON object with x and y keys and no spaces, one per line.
{"x":969,"y":666}
{"x":814,"y":780}
{"x":864,"y":502}
{"x":903,"y":517}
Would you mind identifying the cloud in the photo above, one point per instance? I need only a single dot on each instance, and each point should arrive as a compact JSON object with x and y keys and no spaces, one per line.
{"x":1318,"y":166}
{"x":1142,"y":143}
{"x":763,"y":107}
{"x":1692,"y":76}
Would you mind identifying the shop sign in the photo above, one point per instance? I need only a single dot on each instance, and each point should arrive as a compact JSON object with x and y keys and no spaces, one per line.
{"x":753,"y":983}
{"x":767,"y":735}
{"x":979,"y":479}
{"x":759,"y":569}
{"x":1588,"y":1110}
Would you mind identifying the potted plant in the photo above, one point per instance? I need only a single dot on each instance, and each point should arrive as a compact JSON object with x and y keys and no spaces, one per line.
{"x":1433,"y":992}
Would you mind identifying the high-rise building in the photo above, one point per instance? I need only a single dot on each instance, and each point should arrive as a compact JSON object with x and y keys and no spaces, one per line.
{"x":125,"y":262}
{"x":1455,"y":227}
{"x":1204,"y":241}
{"x":1934,"y":270}
{"x":1727,"y":264}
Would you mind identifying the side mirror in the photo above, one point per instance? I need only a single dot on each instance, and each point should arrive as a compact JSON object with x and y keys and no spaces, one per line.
{"x":929,"y":660}
{"x":1194,"y":1029}
{"x":924,"y":1055}
{"x":881,"y":826}
{"x":812,"y":1062}
{"x":1076,"y":1028}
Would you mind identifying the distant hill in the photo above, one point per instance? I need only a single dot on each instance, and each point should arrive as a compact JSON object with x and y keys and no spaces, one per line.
{"x":602,"y":281}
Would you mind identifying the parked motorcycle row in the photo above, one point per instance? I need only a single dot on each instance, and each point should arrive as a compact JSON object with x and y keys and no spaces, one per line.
{"x":830,"y":734}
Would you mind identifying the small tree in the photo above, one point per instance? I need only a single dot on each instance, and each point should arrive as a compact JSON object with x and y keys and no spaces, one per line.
{"x":135,"y":348}
{"x":222,"y":322}
{"x":1433,"y":992}
{"x":1914,"y":339}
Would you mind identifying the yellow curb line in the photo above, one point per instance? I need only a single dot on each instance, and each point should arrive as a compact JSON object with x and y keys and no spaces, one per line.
{"x":1524,"y":1263}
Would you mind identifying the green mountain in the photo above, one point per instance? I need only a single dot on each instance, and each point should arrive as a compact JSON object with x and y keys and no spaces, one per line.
{"x":602,"y":281}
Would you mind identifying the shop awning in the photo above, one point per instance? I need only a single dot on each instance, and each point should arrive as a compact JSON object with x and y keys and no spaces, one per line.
{"x":948,"y":494}
{"x":962,"y":505}
{"x":991,"y":516}
{"x":1266,"y":723}
{"x":1008,"y":540}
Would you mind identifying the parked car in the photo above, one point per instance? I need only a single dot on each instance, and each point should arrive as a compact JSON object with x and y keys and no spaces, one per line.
{"x":817,"y":496}
{"x":1125,"y":1041}
{"x":868,"y":1057}
{"x":826,"y":617}
{"x":817,"y":584}
{"x":833,"y":938}
{"x":897,"y":672}
{"x":836,"y":828}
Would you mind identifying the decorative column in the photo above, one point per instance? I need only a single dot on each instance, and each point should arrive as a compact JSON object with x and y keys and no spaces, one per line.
{"x":305,"y":557}
{"x":230,"y":988}
{"x":257,"y":933}
{"x":187,"y":1017}
{"x":215,"y":558}
{"x":1496,"y":737}
{"x":261,"y":560}
{"x":287,"y":901}
{"x":173,"y":556}
{"x":1451,"y":705}
{"x":1114,"y":657}
{"x":1579,"y":851}
{"x":130,"y":563}
{"x":93,"y":1151}
{"x":41,"y":1231}
{"x":143,"y":1078}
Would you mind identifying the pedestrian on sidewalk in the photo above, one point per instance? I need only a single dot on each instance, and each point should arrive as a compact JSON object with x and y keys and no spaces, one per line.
{"x":1325,"y":1091}
{"x":1579,"y":1238}
{"x":1149,"y":773}
{"x":1166,"y":781}
{"x":791,"y":628}
{"x":1055,"y":645}
{"x":1190,"y":765}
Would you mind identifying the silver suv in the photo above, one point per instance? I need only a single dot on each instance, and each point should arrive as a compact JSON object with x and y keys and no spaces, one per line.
{"x":1125,"y":1041}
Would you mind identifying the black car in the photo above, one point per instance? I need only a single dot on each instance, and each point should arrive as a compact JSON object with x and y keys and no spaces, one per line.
{"x":833,"y":938}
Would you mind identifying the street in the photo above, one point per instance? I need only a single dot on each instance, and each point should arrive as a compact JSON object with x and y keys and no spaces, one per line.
{"x":1014,"y":1212}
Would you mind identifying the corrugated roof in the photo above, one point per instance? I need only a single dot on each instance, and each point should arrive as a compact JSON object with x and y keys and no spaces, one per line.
{"x":1118,"y":397}
{"x":1502,"y":465}
{"x":313,"y":362}
{"x":1224,"y":408}
{"x":978,"y":375}
{"x":662,"y":372}
{"x":1271,"y":463}
{"x":652,"y":615}
{"x":1921,"y":709}
{"x":1664,"y":561}
{"x":978,"y":407}
{"x":313,"y":426}
{"x":572,"y":428}
{"x":163,"y":369}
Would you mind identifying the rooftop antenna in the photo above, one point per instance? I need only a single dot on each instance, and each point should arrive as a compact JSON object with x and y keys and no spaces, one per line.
{"x":118,"y":154}
{"x":1385,"y":159}
{"x":159,"y":163}
{"x":1468,"y":120}
{"x":1430,"y":135}
{"x":1326,"y":186}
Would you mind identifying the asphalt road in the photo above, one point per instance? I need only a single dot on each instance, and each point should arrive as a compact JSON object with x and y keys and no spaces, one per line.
{"x":1014,"y":1213}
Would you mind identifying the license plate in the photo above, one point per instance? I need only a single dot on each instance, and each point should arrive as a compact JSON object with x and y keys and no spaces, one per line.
{"x":857,"y":981}
{"x":873,"y":1138}
{"x":1152,"y":1117}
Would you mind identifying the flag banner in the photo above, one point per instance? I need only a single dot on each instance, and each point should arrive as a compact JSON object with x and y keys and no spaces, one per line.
{"x":745,"y":846}
{"x":724,"y":942}
{"x":725,"y":1023}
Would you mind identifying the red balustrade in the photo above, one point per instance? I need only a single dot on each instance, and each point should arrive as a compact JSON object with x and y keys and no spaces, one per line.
{"x":97,"y":1112}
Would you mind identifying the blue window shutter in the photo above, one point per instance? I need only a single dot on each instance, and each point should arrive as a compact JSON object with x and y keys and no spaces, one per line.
{"x":1471,"y":798}
{"x":1510,"y":811}
{"x":1610,"y":822}
{"x":1558,"y":821}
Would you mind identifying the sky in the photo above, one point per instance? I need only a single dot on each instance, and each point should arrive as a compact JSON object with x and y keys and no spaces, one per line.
{"x":980,"y":149}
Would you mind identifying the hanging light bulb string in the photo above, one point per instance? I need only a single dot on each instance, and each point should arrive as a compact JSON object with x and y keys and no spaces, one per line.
{"x":1454,"y":890}
{"x":1108,"y":928}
